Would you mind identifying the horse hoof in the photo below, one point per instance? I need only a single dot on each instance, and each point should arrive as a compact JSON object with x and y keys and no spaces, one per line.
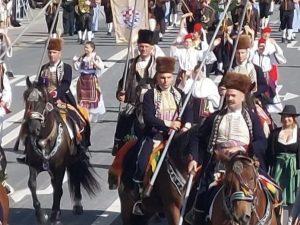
{"x":42,"y":218}
{"x":77,"y":209}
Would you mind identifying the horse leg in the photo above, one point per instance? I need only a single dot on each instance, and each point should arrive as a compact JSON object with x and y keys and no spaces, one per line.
{"x":41,"y":216}
{"x":3,"y":161}
{"x":57,"y":182}
{"x":77,"y":207}
{"x":172,"y":213}
{"x":16,"y":146}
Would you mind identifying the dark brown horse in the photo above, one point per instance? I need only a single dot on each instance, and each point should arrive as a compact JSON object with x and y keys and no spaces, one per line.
{"x":168,"y":191}
{"x":242,"y":199}
{"x":48,"y":147}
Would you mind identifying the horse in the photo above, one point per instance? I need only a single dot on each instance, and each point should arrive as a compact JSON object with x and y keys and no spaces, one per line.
{"x":48,"y":148}
{"x":168,"y":190}
{"x":242,"y":199}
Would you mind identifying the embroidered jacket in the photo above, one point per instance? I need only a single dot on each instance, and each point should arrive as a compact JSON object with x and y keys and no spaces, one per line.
{"x":203,"y":142}
{"x":64,"y":79}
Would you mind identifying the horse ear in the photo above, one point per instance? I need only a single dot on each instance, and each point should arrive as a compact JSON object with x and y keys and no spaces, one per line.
{"x":28,"y":82}
{"x":256,"y":163}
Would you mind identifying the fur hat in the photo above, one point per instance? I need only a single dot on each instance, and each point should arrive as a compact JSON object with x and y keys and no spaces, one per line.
{"x":244,"y":42}
{"x":238,"y":82}
{"x":146,"y":37}
{"x":55,"y":44}
{"x":165,"y":65}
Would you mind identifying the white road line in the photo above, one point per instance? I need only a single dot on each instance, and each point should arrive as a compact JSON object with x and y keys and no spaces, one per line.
{"x":11,"y":136}
{"x":23,"y":82}
{"x":14,"y":118}
{"x":19,"y":195}
{"x":110,"y":214}
{"x":16,"y":79}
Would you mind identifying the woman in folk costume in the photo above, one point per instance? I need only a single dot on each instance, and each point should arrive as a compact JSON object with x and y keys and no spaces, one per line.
{"x":188,"y":58}
{"x":4,"y":44}
{"x":5,"y":103}
{"x":284,"y":155}
{"x":161,"y":107}
{"x":296,"y":19}
{"x":89,"y":94}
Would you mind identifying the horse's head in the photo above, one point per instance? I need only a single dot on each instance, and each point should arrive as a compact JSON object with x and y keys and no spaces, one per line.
{"x":37,"y":105}
{"x":240,"y":188}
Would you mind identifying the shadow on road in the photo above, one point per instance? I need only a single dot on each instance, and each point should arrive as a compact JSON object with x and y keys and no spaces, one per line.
{"x":25,"y":216}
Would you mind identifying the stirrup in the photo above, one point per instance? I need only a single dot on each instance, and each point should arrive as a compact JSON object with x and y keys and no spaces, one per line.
{"x":136,"y":210}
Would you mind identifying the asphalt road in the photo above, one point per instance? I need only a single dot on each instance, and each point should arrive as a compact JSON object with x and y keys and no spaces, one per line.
{"x":104,"y":208}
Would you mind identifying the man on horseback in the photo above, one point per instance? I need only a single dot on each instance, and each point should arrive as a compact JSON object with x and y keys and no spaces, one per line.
{"x":161,"y":107}
{"x":56,"y":77}
{"x":138,"y":78}
{"x":233,"y":129}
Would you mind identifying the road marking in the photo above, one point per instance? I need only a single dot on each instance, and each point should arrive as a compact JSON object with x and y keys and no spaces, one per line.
{"x":23,"y":82}
{"x":14,"y":118}
{"x":16,"y":79}
{"x":110,"y":214}
{"x":11,"y":136}
{"x":19,"y":195}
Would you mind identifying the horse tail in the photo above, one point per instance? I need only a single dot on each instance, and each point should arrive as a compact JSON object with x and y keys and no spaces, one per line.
{"x":82,"y":173}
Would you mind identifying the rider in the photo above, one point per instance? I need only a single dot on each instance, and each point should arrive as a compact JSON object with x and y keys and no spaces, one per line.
{"x":161,"y":107}
{"x":56,"y":76}
{"x":139,"y":75}
{"x":233,"y":129}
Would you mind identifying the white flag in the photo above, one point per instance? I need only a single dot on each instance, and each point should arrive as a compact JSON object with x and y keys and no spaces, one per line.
{"x":123,"y":14}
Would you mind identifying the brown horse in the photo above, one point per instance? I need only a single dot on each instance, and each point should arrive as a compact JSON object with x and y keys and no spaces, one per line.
{"x":48,"y":147}
{"x":242,"y":199}
{"x":4,"y":206}
{"x":168,"y":191}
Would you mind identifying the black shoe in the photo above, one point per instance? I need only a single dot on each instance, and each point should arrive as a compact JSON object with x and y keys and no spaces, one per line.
{"x":108,"y":34}
{"x":289,"y":41}
{"x":81,"y":41}
{"x":282,"y":40}
{"x":22,"y":160}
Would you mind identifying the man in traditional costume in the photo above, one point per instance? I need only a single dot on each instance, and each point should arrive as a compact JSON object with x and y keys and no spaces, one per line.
{"x":161,"y":107}
{"x":286,"y":19}
{"x":138,"y":78}
{"x":85,"y":11}
{"x":233,"y":129}
{"x":108,"y":16}
{"x":56,"y":77}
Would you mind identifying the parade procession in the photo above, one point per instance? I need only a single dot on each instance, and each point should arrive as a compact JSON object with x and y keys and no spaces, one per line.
{"x":136,"y":112}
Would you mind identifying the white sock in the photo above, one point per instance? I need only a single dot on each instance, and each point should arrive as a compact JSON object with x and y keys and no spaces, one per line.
{"x":110,"y":27}
{"x":89,"y":35}
{"x":84,"y":35}
{"x":152,"y":24}
{"x":175,"y":18}
{"x":289,"y":34}
{"x":284,"y":33}
{"x":80,"y":34}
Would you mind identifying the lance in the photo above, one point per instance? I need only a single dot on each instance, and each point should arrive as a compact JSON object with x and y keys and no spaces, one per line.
{"x":49,"y":37}
{"x":34,"y":20}
{"x":163,"y":155}
{"x":128,"y":51}
{"x":188,"y":9}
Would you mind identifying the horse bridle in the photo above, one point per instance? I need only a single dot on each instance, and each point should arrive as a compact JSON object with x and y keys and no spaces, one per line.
{"x":35,"y":115}
{"x":247,"y":193}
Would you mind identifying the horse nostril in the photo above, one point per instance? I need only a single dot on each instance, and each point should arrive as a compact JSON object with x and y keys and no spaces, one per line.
{"x":246,"y":219}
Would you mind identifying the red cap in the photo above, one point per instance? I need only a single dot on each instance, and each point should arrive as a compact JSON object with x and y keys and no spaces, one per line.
{"x":267,"y":30}
{"x":197,"y":27}
{"x":188,"y":36}
{"x":262,"y":41}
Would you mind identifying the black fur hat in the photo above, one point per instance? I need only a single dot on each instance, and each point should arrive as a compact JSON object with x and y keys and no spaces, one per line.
{"x":146,"y":36}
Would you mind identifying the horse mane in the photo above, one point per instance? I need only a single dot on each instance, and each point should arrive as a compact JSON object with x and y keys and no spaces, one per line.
{"x":35,"y":85}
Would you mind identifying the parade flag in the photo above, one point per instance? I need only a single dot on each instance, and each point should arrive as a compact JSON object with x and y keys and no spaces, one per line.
{"x":123,"y":14}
